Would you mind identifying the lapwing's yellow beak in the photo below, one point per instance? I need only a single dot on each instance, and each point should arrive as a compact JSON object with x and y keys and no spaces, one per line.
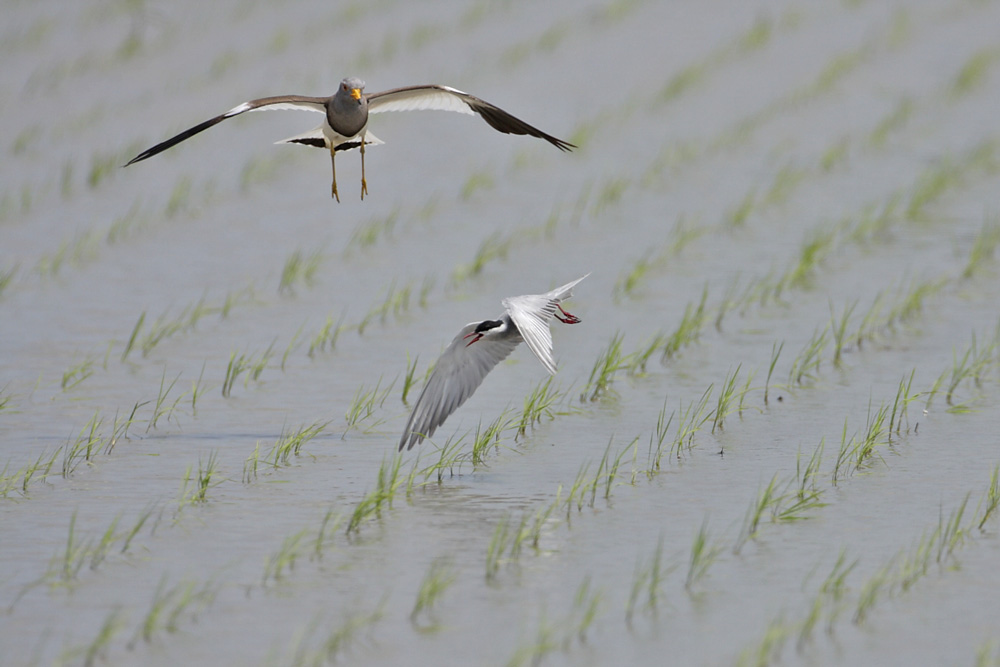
{"x":356,"y":93}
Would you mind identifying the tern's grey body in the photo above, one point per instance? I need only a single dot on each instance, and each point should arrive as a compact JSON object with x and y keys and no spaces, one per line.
{"x":480,"y":346}
{"x":346,"y":123}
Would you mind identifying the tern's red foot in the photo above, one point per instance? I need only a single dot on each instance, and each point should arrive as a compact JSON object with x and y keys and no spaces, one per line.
{"x":569,"y":317}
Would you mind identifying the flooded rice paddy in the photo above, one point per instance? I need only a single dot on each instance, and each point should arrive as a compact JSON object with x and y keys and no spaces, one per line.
{"x":773,"y":439}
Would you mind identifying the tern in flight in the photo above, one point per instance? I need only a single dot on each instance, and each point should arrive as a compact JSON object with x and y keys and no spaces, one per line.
{"x":346,"y":124}
{"x":480,"y":346}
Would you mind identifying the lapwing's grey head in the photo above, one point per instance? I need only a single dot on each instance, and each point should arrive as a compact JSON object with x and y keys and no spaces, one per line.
{"x":352,"y":86}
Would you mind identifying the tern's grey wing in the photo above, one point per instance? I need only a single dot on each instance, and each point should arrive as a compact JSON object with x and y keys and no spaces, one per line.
{"x":446,"y":98}
{"x":531,"y":313}
{"x":457,"y":374}
{"x":279,"y":102}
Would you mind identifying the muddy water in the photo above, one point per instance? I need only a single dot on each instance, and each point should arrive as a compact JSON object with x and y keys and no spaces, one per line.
{"x":715,"y":144}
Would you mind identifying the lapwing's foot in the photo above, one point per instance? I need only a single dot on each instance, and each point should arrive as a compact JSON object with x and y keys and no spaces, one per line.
{"x":364,"y":188}
{"x":333,"y":192}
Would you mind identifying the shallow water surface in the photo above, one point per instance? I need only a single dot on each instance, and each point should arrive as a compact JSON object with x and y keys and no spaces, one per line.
{"x":789,"y":213}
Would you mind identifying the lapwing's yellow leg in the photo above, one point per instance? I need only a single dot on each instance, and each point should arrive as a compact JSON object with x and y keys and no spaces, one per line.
{"x":364,"y":183}
{"x":333,"y":164}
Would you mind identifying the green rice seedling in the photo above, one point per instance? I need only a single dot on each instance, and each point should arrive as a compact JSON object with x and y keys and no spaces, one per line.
{"x":237,"y":365}
{"x":638,"y":359}
{"x":988,"y":505}
{"x":647,"y":581}
{"x":838,"y":326}
{"x":692,"y":419}
{"x":180,"y":198}
{"x":396,"y":302}
{"x":169,"y":604}
{"x":282,"y":561}
{"x":608,"y":363}
{"x":488,"y":437}
{"x":199,"y":487}
{"x":767,"y":499}
{"x":876,"y":433}
{"x":161,"y":407}
{"x":38,"y":470}
{"x":628,"y":283}
{"x":818,"y":244}
{"x":587,"y":603}
{"x":681,"y":236}
{"x":450,"y":456}
{"x":132,"y":338}
{"x":127,"y":538}
{"x":805,"y":477}
{"x":545,"y":641}
{"x":368,"y":233}
{"x":609,"y":195}
{"x":7,"y":278}
{"x":386,"y":485}
{"x":681,"y":82}
{"x":768,"y":650}
{"x":293,"y":345}
{"x":901,"y":404}
{"x":300,"y":267}
{"x":786,"y":180}
{"x":869,"y":325}
{"x":327,"y":336}
{"x":912,"y":302}
{"x":656,"y":440}
{"x":498,"y":545}
{"x":346,"y":634}
{"x":77,"y":374}
{"x":325,"y":535}
{"x":805,"y":366}
{"x":972,"y":365}
{"x":704,"y":552}
{"x":538,"y":405}
{"x":724,"y":403}
{"x":915,"y":563}
{"x":831,"y":594}
{"x":689,"y":329}
{"x":495,"y":247}
{"x":86,"y":445}
{"x":950,"y":532}
{"x":987,"y":655}
{"x":476,"y":181}
{"x":250,"y":465}
{"x":96,"y":650}
{"x":197,"y":389}
{"x":892,"y":122}
{"x":408,"y":378}
{"x":290,"y":443}
{"x":439,"y":577}
{"x":576,"y":491}
{"x":983,"y":248}
{"x":73,"y":556}
{"x":835,"y":154}
{"x":738,"y":216}
{"x":776,"y":349}
{"x":102,"y":165}
{"x":974,"y":71}
{"x":365,"y":404}
{"x":873,"y":588}
{"x":258,"y":364}
{"x":99,"y":551}
{"x":166,"y":326}
{"x":875,"y":222}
